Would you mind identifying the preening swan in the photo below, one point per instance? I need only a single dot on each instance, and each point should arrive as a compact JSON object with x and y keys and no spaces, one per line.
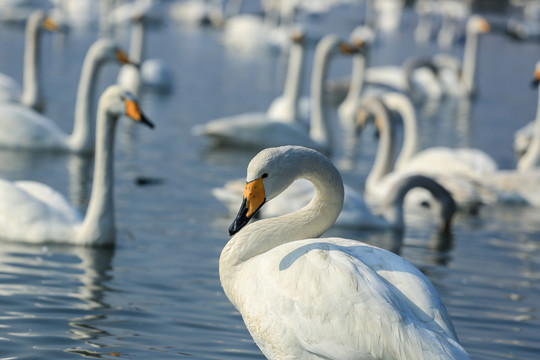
{"x":23,"y":128}
{"x":33,"y":212}
{"x":31,"y":94}
{"x":304,"y":297}
{"x":257,"y":132}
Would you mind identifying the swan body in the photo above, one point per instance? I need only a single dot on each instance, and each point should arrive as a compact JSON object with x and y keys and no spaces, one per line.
{"x":34,"y":213}
{"x":30,"y":95}
{"x":452,"y":168}
{"x":23,"y":128}
{"x":305,"y":297}
{"x":249,"y":130}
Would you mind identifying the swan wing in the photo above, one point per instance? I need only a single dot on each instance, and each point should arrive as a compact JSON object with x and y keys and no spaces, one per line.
{"x":255,"y":130}
{"x":10,"y":90}
{"x":23,"y":128}
{"x":336,"y":298}
{"x":31,"y":211}
{"x":438,"y":160}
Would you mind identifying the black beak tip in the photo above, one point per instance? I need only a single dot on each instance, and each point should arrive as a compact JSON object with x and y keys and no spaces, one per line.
{"x":534,"y":83}
{"x":147,"y":122}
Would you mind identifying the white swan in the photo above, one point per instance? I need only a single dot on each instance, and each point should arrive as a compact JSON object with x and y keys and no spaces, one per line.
{"x":259,"y":132}
{"x":525,"y":135}
{"x":31,"y":95}
{"x":304,"y":297}
{"x":452,"y":168}
{"x":33,"y":212}
{"x":458,"y":78}
{"x":197,"y":13}
{"x":24,"y":128}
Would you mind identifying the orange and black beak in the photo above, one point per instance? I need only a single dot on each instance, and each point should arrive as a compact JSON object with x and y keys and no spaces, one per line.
{"x":135,"y":113}
{"x":254,"y":198}
{"x":536,"y":79}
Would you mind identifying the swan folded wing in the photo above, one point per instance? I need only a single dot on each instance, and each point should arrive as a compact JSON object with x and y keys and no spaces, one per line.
{"x":255,"y":130}
{"x":10,"y":91}
{"x":338,"y":305}
{"x":25,"y":129}
{"x":27,"y":210}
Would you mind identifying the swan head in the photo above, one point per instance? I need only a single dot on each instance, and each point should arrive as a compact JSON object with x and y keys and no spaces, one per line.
{"x":477,"y":24}
{"x":120,"y":102}
{"x":362,"y":36}
{"x":39,"y":19}
{"x":107,"y":50}
{"x":372,"y":106}
{"x":269,"y":173}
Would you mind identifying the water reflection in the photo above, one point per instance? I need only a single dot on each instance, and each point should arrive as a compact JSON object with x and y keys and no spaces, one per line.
{"x":55,"y":285}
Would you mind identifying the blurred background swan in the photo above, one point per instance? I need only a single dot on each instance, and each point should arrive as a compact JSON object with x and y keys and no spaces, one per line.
{"x":31,"y":94}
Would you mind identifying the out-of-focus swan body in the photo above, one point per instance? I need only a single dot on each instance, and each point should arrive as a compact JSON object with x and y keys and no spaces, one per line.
{"x":34,"y":213}
{"x":24,"y":128}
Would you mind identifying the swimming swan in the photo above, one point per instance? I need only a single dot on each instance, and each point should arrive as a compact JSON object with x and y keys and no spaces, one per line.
{"x":31,"y":95}
{"x":304,"y":297}
{"x":257,"y":132}
{"x":23,"y":128}
{"x":34,"y":213}
{"x":458,"y":78}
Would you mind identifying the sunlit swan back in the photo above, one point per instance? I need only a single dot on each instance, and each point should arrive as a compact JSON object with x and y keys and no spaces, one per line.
{"x":34,"y":213}
{"x":303,"y":297}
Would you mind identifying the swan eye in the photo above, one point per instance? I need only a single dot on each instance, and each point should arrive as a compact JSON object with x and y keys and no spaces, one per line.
{"x":264,"y":176}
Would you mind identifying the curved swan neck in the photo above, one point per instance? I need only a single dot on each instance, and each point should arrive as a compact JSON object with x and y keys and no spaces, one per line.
{"x":531,"y":158}
{"x":394,"y":202}
{"x":319,"y":127}
{"x":382,"y":164}
{"x":83,"y":137}
{"x":469,"y":60}
{"x":98,"y":226}
{"x":309,"y":222}
{"x":409,"y":148}
{"x":32,"y":94}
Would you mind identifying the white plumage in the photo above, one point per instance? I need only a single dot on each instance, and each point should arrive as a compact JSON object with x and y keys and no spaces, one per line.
{"x":34,"y":213}
{"x":304,"y":297}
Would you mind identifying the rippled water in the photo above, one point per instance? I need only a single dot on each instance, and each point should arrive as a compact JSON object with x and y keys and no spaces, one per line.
{"x":157,"y":294}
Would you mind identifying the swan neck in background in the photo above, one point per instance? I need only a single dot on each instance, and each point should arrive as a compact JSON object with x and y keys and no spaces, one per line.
{"x":98,"y":226}
{"x":294,"y":77}
{"x":320,"y":129}
{"x":356,"y":85}
{"x":32,"y":94}
{"x":382,"y":164}
{"x":137,"y":41}
{"x":469,"y":60}
{"x":410,"y":146}
{"x":83,"y":137}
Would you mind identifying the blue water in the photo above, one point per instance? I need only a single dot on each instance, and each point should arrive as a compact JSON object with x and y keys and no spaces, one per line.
{"x":157,"y":295}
